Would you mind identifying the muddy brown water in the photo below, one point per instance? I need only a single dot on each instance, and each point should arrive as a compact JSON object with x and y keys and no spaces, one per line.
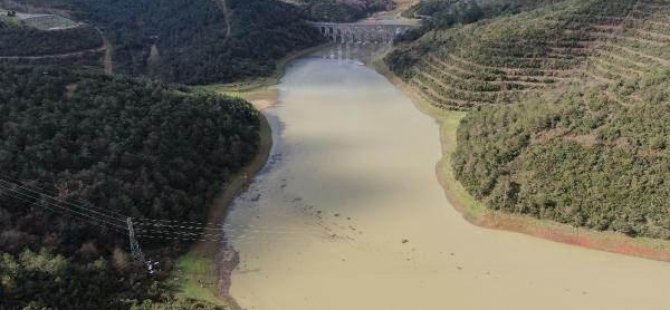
{"x":348,"y":214}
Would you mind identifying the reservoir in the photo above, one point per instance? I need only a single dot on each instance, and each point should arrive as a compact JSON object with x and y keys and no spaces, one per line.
{"x":348,"y":214}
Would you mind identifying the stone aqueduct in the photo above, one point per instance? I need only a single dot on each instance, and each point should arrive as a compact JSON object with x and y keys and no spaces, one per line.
{"x":361,"y":33}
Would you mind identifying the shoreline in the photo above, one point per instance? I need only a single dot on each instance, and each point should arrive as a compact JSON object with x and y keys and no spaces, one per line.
{"x":478,"y":214}
{"x":201,"y":264}
{"x":205,"y":273}
{"x":252,"y":85}
{"x":204,"y":270}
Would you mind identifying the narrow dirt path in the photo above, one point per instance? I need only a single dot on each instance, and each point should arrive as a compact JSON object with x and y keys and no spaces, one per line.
{"x":55,"y":56}
{"x":106,"y":47}
{"x":107,"y":61}
{"x":226,"y":13}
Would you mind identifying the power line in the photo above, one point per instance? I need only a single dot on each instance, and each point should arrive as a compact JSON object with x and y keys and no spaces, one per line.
{"x":58,"y":203}
{"x":160,"y":232}
{"x":92,"y":209}
{"x":179,"y":227}
{"x":175,"y":221}
{"x":37,"y":202}
{"x":36,"y":188}
{"x":135,"y":249}
{"x":142,"y":228}
{"x":28,"y":196}
{"x":180,"y":238}
{"x":222,"y":228}
{"x":103,"y":213}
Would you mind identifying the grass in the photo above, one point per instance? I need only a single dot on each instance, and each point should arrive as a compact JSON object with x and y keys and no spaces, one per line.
{"x":199,"y":273}
{"x":470,"y":207}
{"x":41,"y":22}
{"x":48,"y":22}
{"x":197,"y":264}
{"x":13,"y":21}
{"x":258,"y":92}
{"x":196,"y":270}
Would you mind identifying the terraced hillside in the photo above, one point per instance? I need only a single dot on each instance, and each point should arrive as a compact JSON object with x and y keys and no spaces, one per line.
{"x":634,"y":46}
{"x":504,"y":59}
{"x":569,"y":110}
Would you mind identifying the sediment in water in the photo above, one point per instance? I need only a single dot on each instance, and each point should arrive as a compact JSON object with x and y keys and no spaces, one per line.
{"x":479,"y":215}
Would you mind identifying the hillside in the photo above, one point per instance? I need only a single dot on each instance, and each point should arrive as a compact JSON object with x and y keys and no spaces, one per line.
{"x":193,"y":42}
{"x":106,"y":148}
{"x":16,"y":40}
{"x":569,"y":110}
{"x":343,"y":10}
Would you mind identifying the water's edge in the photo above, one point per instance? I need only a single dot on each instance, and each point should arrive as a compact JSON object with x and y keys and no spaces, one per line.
{"x":352,"y":195}
{"x":477,"y":214}
{"x":215,"y":263}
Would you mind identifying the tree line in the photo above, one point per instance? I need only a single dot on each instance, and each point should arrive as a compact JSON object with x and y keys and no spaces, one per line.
{"x":17,"y":40}
{"x":134,"y":147}
{"x":344,"y":11}
{"x":190,"y":42}
{"x":580,"y":158}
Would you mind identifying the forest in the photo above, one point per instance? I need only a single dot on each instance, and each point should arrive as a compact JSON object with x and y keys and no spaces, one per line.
{"x":195,"y":42}
{"x":80,"y":151}
{"x":18,"y":40}
{"x":106,"y":148}
{"x":582,"y":159}
{"x":189,"y":42}
{"x":568,"y":108}
{"x":344,"y":10}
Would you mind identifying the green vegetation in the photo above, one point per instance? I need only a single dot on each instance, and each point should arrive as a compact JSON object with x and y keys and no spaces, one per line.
{"x":195,"y":42}
{"x":127,"y":147}
{"x":49,"y":22}
{"x":344,"y":11}
{"x":446,"y":13}
{"x":502,"y":59}
{"x":191,"y":265}
{"x":188,"y":42}
{"x":176,"y":303}
{"x":569,"y":109}
{"x":9,"y":17}
{"x":581,"y":159}
{"x":130,"y":147}
{"x":21,"y":40}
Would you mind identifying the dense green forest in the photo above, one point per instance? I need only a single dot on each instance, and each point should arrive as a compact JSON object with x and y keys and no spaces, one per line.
{"x":444,"y":14}
{"x":195,"y":42}
{"x":344,"y":10}
{"x":114,"y":146}
{"x":189,"y":42}
{"x":18,"y":40}
{"x":581,"y":159}
{"x":80,"y":151}
{"x":192,"y":38}
{"x":569,"y":110}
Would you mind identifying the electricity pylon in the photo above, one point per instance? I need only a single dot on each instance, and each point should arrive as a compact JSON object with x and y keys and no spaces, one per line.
{"x":135,"y":250}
